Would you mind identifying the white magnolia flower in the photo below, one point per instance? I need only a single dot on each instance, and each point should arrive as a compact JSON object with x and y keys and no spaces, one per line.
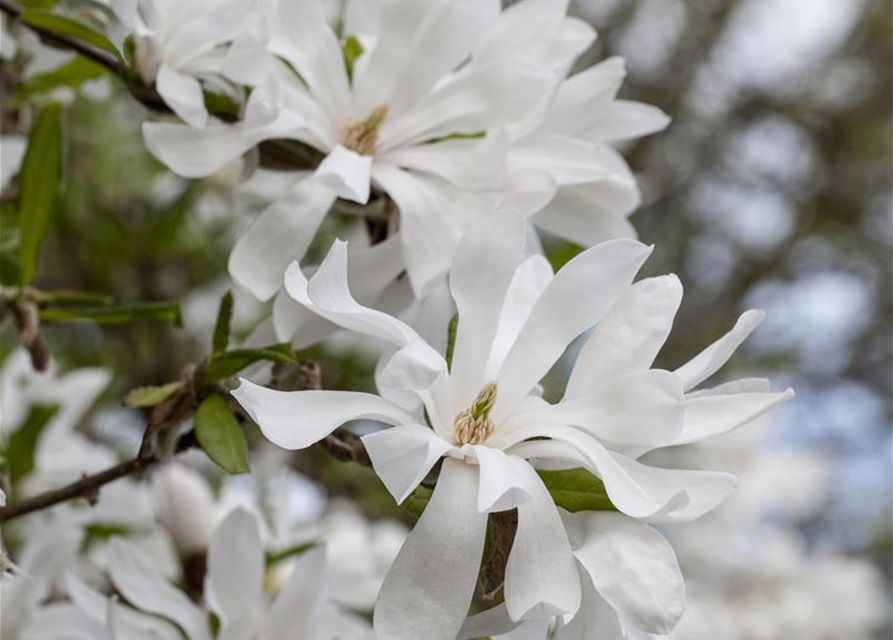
{"x":487,"y":421}
{"x":181,"y":46}
{"x":234,"y":591}
{"x":449,"y":107}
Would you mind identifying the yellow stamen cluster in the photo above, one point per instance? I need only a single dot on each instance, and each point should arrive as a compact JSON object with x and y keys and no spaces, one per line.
{"x":474,"y":426}
{"x":362,"y":136}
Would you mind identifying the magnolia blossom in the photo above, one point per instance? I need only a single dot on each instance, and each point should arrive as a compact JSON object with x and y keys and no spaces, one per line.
{"x":180,"y":47}
{"x":449,"y":107}
{"x":483,"y":416}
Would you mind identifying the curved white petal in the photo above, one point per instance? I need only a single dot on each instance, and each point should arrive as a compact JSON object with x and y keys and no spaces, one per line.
{"x":327,"y":294}
{"x":581,"y":99}
{"x":579,"y":295}
{"x":434,"y":216}
{"x":300,"y":598}
{"x":298,"y":419}
{"x":629,"y":337}
{"x":568,"y":160}
{"x":541,"y":578}
{"x":235,"y":578}
{"x":711,"y":415}
{"x":633,"y":568}
{"x":280,"y":235}
{"x":483,"y":269}
{"x":135,"y":576}
{"x":596,"y":620}
{"x":403,"y":455}
{"x":427,"y":591}
{"x":183,"y":94}
{"x":711,"y":359}
{"x":347,"y":173}
{"x":492,"y":622}
{"x":623,"y":120}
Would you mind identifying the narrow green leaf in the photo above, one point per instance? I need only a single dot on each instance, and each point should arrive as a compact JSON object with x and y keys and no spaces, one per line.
{"x":353,"y":49}
{"x":162,"y":311}
{"x":276,"y":557}
{"x":221,"y":436}
{"x":418,"y":500}
{"x":72,"y":74}
{"x":62,"y":297}
{"x":40,"y":183}
{"x":231,"y":362}
{"x":151,"y":395}
{"x":577,"y":490}
{"x":451,"y":339}
{"x":222,"y":326}
{"x":63,"y":25}
{"x":23,"y":441}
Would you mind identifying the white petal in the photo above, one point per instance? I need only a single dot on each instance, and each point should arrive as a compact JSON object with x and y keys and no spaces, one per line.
{"x":711,"y":359}
{"x":135,"y":576}
{"x":568,"y":160}
{"x":235,"y":577}
{"x":298,"y":419}
{"x":624,"y":120}
{"x":434,"y":215}
{"x":579,"y":295}
{"x":541,"y":577}
{"x":492,"y":622}
{"x":483,"y":268}
{"x":630,"y":335}
{"x":472,"y":164}
{"x":527,"y":191}
{"x":427,"y":591}
{"x":184,"y":506}
{"x":183,"y":94}
{"x":347,"y":173}
{"x":644,"y":411}
{"x":596,"y":620}
{"x":710,"y":415}
{"x":327,"y":294}
{"x":583,"y":96}
{"x":56,"y":621}
{"x":402,"y":456}
{"x":280,"y":235}
{"x":634,"y":568}
{"x":298,"y":600}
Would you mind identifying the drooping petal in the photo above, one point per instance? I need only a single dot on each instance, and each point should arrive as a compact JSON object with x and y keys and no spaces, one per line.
{"x":502,"y":485}
{"x":235,"y":578}
{"x":483,"y":269}
{"x":299,"y":599}
{"x":327,"y":294}
{"x":711,"y":359}
{"x":135,"y":576}
{"x":347,"y":173}
{"x":279,"y":236}
{"x":402,"y":456}
{"x":182,"y":93}
{"x":427,"y":591}
{"x":595,"y":620}
{"x":541,"y":578}
{"x":579,"y":295}
{"x":297,"y":419}
{"x":633,"y":568}
{"x":434,"y":216}
{"x":492,"y":622}
{"x":711,"y":415}
{"x":629,"y":337}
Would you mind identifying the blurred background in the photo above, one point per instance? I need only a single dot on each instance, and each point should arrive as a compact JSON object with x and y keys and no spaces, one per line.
{"x":771,"y":189}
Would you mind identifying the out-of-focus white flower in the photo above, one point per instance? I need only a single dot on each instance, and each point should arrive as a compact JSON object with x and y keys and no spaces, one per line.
{"x":184,"y":507}
{"x":180,"y":47}
{"x":449,"y":107}
{"x":490,"y":426}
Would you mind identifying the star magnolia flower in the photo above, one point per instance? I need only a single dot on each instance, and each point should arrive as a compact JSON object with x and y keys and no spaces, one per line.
{"x":487,"y":422}
{"x":234,"y":592}
{"x":181,"y":46}
{"x":449,"y":107}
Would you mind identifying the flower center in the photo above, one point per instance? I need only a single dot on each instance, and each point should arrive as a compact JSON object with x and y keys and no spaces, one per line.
{"x":362,"y":136}
{"x":474,"y":426}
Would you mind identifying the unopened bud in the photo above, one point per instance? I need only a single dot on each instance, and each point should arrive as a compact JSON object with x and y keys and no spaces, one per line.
{"x":484,"y":402}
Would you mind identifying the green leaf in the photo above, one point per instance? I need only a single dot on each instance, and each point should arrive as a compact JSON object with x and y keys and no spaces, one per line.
{"x":62,"y":297}
{"x":276,"y":557}
{"x":72,"y":74}
{"x":222,"y":326}
{"x":577,"y":490}
{"x":231,"y":362}
{"x":221,"y":436}
{"x":353,"y":49}
{"x":63,"y":25}
{"x":418,"y":500}
{"x":40,"y":183}
{"x":451,"y":339}
{"x":23,"y":441}
{"x":149,"y":396}
{"x":221,"y":105}
{"x":163,"y":311}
